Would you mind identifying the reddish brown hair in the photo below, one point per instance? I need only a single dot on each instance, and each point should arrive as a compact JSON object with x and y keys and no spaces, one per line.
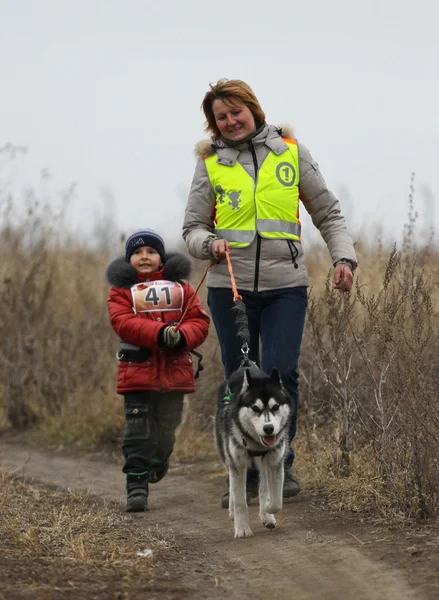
{"x":230,"y":90}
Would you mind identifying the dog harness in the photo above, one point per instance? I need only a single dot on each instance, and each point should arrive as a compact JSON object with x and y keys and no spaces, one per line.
{"x":253,"y":453}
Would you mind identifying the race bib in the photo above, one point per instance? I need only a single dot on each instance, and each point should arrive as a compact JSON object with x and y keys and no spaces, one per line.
{"x":157,"y":296}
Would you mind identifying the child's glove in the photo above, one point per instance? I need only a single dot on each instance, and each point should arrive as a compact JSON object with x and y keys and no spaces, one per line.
{"x":171,"y":338}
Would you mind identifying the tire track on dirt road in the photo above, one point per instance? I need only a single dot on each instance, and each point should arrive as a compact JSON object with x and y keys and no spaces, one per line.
{"x":300,"y":560}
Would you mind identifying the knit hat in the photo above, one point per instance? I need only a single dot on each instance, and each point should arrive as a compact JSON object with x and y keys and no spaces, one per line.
{"x":144,"y":237}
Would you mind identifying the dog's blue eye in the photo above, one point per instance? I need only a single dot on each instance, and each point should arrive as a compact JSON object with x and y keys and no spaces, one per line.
{"x":255,"y":409}
{"x":275,"y":408}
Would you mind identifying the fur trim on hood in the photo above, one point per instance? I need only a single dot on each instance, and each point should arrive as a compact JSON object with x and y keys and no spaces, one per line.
{"x":121,"y":273}
{"x":286,"y":131}
{"x":205,"y":148}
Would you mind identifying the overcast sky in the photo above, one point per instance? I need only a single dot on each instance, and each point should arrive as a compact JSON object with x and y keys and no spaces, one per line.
{"x":107,"y":94}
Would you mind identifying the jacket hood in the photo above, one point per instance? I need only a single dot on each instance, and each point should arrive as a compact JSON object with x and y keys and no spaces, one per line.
{"x":209,"y":147}
{"x":121,"y":273}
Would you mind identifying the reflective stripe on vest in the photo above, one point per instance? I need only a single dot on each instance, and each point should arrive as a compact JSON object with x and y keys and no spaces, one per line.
{"x":270,"y":207}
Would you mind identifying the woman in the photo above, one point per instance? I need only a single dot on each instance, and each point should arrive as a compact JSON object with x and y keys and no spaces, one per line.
{"x":244,"y":198}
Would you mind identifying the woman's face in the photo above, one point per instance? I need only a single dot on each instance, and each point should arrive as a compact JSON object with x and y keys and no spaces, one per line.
{"x":234,"y":120}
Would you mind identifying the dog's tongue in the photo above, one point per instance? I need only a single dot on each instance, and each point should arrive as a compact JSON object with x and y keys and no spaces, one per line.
{"x":269,"y":439}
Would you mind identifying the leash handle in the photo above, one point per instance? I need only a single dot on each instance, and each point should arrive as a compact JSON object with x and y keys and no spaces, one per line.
{"x":236,"y":296}
{"x":189,"y":306}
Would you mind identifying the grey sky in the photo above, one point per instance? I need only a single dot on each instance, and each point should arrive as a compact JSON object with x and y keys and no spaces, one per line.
{"x":107,"y":93}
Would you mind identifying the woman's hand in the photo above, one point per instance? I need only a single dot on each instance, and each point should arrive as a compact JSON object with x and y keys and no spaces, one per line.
{"x":343,"y":277}
{"x":219,"y":248}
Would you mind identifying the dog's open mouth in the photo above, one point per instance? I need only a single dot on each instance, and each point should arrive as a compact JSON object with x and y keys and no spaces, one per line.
{"x":268,"y":440}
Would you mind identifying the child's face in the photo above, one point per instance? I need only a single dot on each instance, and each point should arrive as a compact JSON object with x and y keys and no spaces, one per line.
{"x":146,"y":260}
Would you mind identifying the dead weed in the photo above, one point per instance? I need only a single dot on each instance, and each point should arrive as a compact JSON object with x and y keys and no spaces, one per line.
{"x":59,"y":541}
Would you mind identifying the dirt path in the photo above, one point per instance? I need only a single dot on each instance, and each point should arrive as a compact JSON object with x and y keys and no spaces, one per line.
{"x":310,"y":556}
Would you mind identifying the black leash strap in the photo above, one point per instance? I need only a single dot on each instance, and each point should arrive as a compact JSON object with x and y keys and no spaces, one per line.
{"x":200,"y":366}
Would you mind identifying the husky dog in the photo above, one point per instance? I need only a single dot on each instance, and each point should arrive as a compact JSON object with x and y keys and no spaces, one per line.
{"x":252,"y":419}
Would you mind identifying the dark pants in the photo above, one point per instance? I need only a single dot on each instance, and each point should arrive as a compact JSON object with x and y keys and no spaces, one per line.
{"x":276,"y":319}
{"x":149,"y":436}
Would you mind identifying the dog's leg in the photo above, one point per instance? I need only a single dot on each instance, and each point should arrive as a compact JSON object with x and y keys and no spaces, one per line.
{"x":231,"y":499}
{"x":267,"y":519}
{"x":237,"y":492}
{"x":275,"y":484}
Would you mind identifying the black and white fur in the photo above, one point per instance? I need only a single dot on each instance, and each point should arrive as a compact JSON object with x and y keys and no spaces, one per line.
{"x":252,"y":420}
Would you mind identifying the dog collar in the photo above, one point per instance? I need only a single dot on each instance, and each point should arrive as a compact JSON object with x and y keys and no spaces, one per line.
{"x":227,"y":395}
{"x":253,"y":453}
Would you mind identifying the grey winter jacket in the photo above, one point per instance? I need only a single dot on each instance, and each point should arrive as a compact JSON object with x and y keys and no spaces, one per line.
{"x":267,"y":263}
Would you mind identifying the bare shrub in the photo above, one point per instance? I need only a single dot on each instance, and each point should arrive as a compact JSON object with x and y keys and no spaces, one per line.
{"x":55,"y":335}
{"x":376,"y":354}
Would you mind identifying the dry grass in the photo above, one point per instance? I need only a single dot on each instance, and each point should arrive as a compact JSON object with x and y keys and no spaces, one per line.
{"x":369,"y":365}
{"x":370,"y":370}
{"x":363,"y":491}
{"x":57,"y":543}
{"x":89,"y":421}
{"x":194,"y":439}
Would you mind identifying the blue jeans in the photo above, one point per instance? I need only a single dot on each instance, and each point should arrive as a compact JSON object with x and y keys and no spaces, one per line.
{"x":276,"y":318}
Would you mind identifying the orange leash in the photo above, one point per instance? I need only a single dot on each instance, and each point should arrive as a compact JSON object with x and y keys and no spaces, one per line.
{"x":188,"y":307}
{"x":236,"y":296}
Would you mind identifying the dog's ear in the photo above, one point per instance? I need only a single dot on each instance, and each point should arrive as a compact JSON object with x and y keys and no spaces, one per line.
{"x":276,"y":378}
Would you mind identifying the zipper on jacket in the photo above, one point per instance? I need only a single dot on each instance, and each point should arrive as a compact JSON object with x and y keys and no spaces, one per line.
{"x":294,"y":252}
{"x":258,"y":237}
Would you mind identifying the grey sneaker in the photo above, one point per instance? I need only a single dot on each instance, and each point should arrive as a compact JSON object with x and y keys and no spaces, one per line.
{"x":137,"y":501}
{"x":291,"y":485}
{"x":251,"y":493}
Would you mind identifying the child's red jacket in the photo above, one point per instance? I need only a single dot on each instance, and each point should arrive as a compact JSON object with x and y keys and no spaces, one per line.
{"x":139,"y":309}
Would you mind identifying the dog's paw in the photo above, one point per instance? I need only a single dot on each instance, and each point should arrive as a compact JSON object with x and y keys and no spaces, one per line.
{"x":243,"y":532}
{"x":268,"y":521}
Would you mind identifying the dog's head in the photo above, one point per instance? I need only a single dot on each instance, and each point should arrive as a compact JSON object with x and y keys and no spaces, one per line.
{"x":264,"y":407}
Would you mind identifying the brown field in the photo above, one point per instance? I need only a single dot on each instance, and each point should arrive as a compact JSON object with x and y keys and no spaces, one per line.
{"x":71,"y":545}
{"x":369,"y":418}
{"x":369,"y":376}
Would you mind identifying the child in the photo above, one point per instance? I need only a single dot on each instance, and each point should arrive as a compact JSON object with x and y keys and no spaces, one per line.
{"x":148,"y":298}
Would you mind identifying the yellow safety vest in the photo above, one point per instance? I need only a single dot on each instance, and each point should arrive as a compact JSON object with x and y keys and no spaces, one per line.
{"x":269,"y":206}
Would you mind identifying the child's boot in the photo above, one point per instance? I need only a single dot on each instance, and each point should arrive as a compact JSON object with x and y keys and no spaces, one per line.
{"x":137,"y":492}
{"x":159,"y":469}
